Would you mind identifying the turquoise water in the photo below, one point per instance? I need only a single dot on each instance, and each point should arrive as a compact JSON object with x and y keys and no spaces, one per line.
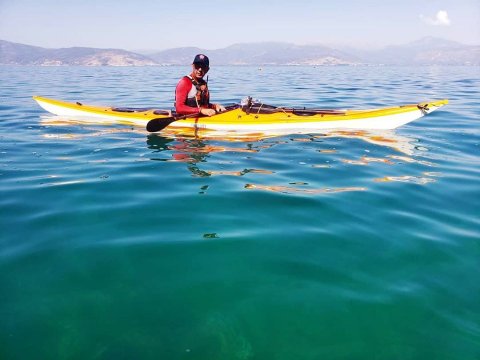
{"x":119,"y":244}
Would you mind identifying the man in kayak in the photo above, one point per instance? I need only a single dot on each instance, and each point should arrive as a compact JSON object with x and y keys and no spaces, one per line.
{"x":191,"y":94}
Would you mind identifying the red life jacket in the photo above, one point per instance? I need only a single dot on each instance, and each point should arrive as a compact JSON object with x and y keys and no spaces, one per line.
{"x":198,"y":96}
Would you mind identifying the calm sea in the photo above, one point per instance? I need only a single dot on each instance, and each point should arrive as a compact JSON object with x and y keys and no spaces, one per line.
{"x":119,"y":244}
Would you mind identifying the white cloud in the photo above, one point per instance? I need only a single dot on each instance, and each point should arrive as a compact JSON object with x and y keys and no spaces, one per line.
{"x":440,"y":19}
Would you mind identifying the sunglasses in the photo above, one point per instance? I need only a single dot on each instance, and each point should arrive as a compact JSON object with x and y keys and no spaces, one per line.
{"x":201,"y":67}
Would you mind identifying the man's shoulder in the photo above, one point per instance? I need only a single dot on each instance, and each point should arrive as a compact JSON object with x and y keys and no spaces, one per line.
{"x":185,"y":82}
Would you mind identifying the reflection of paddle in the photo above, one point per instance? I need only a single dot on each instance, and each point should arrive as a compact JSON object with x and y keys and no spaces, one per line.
{"x":158,"y":124}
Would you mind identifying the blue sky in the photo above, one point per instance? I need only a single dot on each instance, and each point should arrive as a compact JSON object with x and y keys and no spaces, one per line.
{"x":213,"y":24}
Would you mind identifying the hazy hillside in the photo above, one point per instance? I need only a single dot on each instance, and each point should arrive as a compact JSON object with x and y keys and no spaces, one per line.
{"x":19,"y":54}
{"x":427,"y":51}
{"x":177,"y":56}
{"x":270,"y":53}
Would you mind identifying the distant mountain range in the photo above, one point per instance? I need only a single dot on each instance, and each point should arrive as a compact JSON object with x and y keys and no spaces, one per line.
{"x":19,"y":54}
{"x":427,"y":51}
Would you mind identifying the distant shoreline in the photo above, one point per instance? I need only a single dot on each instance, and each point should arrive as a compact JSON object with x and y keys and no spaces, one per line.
{"x":427,"y":51}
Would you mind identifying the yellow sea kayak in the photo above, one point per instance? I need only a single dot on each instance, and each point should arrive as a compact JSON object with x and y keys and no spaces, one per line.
{"x":254,"y":117}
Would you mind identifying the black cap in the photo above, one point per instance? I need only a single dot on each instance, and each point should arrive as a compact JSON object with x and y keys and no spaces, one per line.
{"x":201,"y":59}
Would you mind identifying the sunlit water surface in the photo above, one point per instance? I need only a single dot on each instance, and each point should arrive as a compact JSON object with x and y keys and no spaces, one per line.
{"x":119,"y":244}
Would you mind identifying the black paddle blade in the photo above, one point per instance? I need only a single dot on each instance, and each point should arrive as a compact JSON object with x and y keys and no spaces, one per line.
{"x":158,"y":124}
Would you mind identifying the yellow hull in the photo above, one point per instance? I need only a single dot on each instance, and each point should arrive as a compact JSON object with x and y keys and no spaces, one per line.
{"x":279,"y":121}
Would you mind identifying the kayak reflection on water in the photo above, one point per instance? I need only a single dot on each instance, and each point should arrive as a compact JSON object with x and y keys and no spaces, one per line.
{"x":191,"y":151}
{"x":196,"y":152}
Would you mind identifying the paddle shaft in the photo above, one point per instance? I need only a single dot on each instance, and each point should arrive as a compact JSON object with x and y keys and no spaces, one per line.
{"x":159,"y":124}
